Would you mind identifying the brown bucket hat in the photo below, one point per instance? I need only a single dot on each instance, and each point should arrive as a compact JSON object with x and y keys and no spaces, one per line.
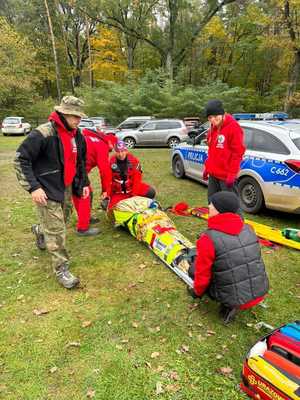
{"x":71,"y":105}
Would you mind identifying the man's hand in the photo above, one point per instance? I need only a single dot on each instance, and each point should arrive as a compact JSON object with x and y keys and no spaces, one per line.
{"x":39,"y":197}
{"x":192,"y":293}
{"x":230,"y":181}
{"x":85,"y":192}
{"x":205,"y":175}
{"x":103,"y":196}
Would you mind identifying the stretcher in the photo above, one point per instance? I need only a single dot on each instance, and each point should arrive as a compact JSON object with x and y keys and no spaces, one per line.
{"x":264,"y":232}
{"x":272,"y":367}
{"x":146,"y":222}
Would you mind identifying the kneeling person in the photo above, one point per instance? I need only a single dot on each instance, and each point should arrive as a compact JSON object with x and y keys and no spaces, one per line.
{"x":126,"y":177}
{"x":228,"y":267}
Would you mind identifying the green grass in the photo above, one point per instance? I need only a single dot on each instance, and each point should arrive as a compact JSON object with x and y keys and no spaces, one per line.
{"x":133,"y":312}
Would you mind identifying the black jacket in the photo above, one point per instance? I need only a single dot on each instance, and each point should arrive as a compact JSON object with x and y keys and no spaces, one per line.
{"x":239,"y":274}
{"x":39,"y":163}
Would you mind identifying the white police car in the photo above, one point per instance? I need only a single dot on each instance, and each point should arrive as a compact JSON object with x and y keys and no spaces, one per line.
{"x":270,"y":170}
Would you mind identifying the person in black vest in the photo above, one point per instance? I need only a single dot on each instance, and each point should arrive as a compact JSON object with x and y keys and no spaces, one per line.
{"x":228,"y":266}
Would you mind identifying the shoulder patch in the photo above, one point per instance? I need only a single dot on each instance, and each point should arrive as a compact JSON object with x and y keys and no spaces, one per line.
{"x":46,"y":129}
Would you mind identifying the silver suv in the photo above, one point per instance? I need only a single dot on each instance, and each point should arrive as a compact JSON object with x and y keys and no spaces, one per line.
{"x":158,"y":132}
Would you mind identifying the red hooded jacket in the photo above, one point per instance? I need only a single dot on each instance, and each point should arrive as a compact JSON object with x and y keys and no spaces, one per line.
{"x":97,"y":155}
{"x":70,"y":149}
{"x":225,"y":149}
{"x":228,"y":223}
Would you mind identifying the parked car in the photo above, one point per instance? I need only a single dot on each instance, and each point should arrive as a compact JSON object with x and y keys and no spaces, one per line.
{"x":87,"y":123}
{"x":192,"y":122}
{"x":15,"y":126}
{"x":132,"y":123}
{"x":100,"y":122}
{"x":193,"y":132}
{"x":270,"y":170}
{"x":160,"y":132}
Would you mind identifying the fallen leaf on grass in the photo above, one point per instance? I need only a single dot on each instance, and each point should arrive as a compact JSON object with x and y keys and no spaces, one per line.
{"x":73,"y":344}
{"x":148,"y":364}
{"x":159,"y":388}
{"x":53,"y":369}
{"x":86,"y":324}
{"x":174,"y":375}
{"x":135,"y":325}
{"x":210,"y":333}
{"x":190,"y":334}
{"x":20,"y":297}
{"x":172,"y":388}
{"x":90,"y":393}
{"x":119,"y":347}
{"x":225,"y":371}
{"x":155,"y":354}
{"x":184,"y":348}
{"x":142,"y":266}
{"x":41,"y":311}
{"x":124,"y":341}
{"x":219,"y":356}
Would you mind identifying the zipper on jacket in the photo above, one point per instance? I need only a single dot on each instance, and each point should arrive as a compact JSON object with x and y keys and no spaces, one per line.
{"x":49,"y":172}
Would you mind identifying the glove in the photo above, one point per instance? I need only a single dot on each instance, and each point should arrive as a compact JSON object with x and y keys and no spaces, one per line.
{"x":230,"y":181}
{"x":205,"y":175}
{"x":104,"y":203}
{"x":192,"y":293}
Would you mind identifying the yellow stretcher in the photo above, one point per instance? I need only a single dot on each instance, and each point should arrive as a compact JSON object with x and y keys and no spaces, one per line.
{"x":261,"y":230}
{"x":150,"y":225}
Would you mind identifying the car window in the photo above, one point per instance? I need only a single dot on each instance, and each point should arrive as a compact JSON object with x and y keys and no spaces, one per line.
{"x":296,"y":141}
{"x":130,"y":125}
{"x":149,"y":126}
{"x":163,"y":125}
{"x":174,"y":125}
{"x":12,"y":121}
{"x":264,"y":141}
{"x":86,"y":123}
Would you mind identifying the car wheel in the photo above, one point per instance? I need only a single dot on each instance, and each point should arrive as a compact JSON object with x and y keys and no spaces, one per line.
{"x":25,"y":131}
{"x":4,"y":134}
{"x":173,"y":141}
{"x":251,"y":196}
{"x":130,"y":142}
{"x":178,"y":167}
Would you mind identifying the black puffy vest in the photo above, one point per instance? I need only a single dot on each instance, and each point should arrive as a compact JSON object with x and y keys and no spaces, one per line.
{"x":239,"y":274}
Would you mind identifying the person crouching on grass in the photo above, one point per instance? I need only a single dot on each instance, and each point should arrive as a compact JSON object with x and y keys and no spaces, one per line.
{"x":228,"y":266}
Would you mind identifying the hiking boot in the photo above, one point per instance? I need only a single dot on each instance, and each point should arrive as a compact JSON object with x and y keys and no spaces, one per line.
{"x":65,"y":278}
{"x":94,"y":220}
{"x":88,"y":232}
{"x":39,"y":237}
{"x":228,"y":314}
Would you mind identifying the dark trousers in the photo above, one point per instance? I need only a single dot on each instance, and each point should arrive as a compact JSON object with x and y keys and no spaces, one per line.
{"x":217,"y":185}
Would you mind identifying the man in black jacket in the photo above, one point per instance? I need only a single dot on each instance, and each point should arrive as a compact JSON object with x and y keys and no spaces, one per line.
{"x":50,"y":164}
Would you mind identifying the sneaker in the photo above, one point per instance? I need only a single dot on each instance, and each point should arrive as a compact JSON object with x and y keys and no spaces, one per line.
{"x":88,"y":232}
{"x":39,"y":237}
{"x":94,"y":220}
{"x":65,"y":278}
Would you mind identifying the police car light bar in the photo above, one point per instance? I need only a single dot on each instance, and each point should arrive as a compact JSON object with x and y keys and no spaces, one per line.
{"x":261,"y":116}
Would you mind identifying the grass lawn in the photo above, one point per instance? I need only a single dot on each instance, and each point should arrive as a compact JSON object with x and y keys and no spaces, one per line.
{"x":130,"y":332}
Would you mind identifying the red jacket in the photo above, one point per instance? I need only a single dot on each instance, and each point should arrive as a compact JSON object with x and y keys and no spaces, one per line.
{"x":225,"y":149}
{"x":97,"y":155}
{"x":70,"y":149}
{"x":228,"y":223}
{"x":133,"y":177}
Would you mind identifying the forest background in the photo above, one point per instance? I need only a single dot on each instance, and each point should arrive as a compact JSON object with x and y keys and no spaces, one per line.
{"x":153,"y":57}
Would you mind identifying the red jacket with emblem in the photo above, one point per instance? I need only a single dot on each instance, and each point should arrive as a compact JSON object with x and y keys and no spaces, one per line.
{"x":133,"y":177}
{"x":228,"y":223}
{"x":97,"y":155}
{"x":225,"y":149}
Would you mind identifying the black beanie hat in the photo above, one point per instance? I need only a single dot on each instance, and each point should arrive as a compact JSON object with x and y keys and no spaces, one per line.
{"x":225,"y":202}
{"x":214,"y":107}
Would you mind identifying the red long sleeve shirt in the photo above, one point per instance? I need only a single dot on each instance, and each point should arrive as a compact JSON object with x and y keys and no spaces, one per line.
{"x":225,"y":149}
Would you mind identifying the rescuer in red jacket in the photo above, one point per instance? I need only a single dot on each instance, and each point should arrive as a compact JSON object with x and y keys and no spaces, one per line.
{"x":228,"y":266}
{"x":225,"y":149}
{"x":98,"y":146}
{"x":126,"y":177}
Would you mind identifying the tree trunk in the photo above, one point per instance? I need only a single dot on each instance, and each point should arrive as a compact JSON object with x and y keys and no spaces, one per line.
{"x":89,"y":53}
{"x":54,"y":52}
{"x":293,"y":81}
